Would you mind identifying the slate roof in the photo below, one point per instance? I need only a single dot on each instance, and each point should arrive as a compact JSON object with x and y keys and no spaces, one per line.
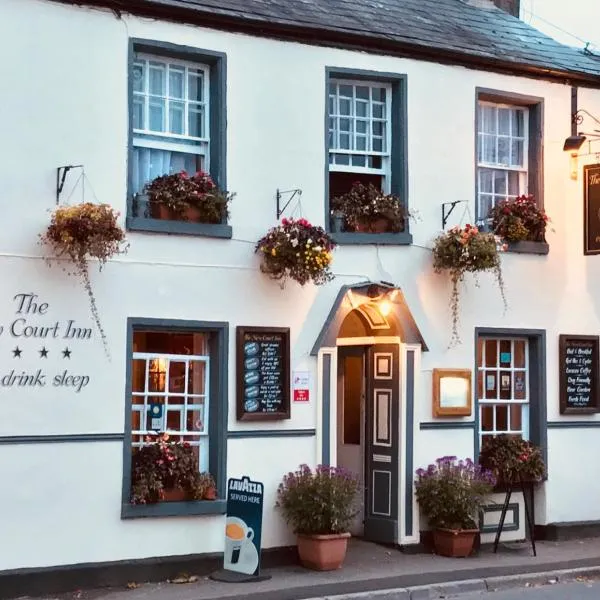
{"x":474,"y":29}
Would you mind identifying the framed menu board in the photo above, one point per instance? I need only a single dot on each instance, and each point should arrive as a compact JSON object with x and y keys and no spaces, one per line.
{"x":591,"y":211}
{"x":578,"y":369}
{"x":263,"y":373}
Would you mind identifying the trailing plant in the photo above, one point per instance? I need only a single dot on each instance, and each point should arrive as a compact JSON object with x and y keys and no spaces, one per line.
{"x":512,"y":459}
{"x":459,"y":251}
{"x":298,"y":250}
{"x":366,"y":204}
{"x":85,"y":231}
{"x":179,"y":192}
{"x":318,"y":502}
{"x":450,"y":492}
{"x":162,"y":465}
{"x":519,"y":219}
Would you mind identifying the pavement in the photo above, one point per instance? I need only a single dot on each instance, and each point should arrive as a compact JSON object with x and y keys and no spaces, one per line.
{"x":372,"y":571}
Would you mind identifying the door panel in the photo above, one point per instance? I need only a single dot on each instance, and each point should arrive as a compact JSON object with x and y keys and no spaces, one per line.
{"x":382,"y":448}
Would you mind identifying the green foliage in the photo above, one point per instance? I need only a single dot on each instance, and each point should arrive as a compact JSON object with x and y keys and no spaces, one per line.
{"x":450,"y":492}
{"x":512,"y":459}
{"x":365,"y":204}
{"x":162,"y":465}
{"x":180,"y":191}
{"x":319,"y":501}
{"x":459,"y":251}
{"x":519,"y":219}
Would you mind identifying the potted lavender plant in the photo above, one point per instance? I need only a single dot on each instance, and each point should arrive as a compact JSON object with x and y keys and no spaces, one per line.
{"x":450,"y":493}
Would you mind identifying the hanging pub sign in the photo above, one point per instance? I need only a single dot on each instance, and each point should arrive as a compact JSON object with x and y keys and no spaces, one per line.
{"x":591,"y":214}
{"x":578,"y":371}
{"x":243,"y":526}
{"x":263,"y":373}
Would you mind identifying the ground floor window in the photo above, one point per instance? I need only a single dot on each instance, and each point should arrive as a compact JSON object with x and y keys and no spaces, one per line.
{"x":177,"y":407}
{"x":503,"y":387}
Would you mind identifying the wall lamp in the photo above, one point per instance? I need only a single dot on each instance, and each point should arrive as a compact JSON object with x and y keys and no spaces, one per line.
{"x":384,"y":293}
{"x":576,"y":140}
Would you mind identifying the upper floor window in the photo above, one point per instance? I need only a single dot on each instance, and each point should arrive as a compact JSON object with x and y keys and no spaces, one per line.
{"x":359,"y":134}
{"x":170,"y":118}
{"x":366,"y":157}
{"x":502,"y":154}
{"x":178,"y":135}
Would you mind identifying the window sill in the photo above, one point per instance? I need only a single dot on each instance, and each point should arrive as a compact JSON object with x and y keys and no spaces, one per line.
{"x":388,"y":239}
{"x":528,"y":248}
{"x":179,"y":227}
{"x":174,"y":509}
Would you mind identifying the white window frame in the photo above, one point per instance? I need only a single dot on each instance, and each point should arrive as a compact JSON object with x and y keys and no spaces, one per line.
{"x":522,"y":170}
{"x":494,"y":402}
{"x":385,"y":170}
{"x":173,"y":142}
{"x":200,"y":403}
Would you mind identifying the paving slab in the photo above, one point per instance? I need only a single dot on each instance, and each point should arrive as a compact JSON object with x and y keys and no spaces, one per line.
{"x":369,"y":567}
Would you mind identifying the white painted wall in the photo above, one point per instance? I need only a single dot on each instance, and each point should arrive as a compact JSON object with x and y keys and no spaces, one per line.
{"x":67,"y":80}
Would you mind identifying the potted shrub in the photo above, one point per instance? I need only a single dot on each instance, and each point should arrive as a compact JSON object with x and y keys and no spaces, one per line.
{"x":518,"y":220}
{"x":450,"y":493}
{"x":512,"y":460}
{"x":459,"y":251}
{"x":366,"y":209}
{"x":165,"y":471}
{"x":297,"y":250}
{"x":81,"y":232}
{"x":183,"y":197}
{"x":320,"y":507}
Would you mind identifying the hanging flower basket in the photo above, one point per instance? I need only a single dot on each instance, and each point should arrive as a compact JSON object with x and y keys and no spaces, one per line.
{"x":82,"y":232}
{"x":518,"y":220}
{"x":459,"y":251}
{"x":366,"y":209}
{"x":183,"y":197}
{"x":297,"y":250}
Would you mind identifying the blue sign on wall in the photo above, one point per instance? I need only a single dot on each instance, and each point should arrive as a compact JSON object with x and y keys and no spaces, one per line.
{"x":243,"y":526}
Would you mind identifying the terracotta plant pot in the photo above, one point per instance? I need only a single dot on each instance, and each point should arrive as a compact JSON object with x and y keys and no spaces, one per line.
{"x":210,"y":494}
{"x":174,"y":495}
{"x":453,"y":542}
{"x":376,"y":226}
{"x":322,"y":552}
{"x":162,"y":212}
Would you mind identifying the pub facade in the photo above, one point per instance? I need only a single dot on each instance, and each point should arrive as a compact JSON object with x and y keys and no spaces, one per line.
{"x":186,"y":326}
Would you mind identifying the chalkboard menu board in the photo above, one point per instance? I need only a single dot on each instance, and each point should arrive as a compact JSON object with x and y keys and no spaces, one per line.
{"x":263,"y":373}
{"x":578,"y":368}
{"x":591,"y":203}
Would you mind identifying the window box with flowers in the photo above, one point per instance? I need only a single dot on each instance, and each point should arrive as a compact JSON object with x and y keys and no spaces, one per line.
{"x":521,"y":224}
{"x":192,"y":203}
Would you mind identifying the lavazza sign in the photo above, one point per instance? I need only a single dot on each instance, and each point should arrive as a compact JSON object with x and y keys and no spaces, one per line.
{"x":27,"y":332}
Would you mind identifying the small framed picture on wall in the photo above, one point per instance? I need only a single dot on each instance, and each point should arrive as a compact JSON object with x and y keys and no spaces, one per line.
{"x":452,"y":393}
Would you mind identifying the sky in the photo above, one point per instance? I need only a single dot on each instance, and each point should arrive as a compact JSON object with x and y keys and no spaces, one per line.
{"x":571,"y":22}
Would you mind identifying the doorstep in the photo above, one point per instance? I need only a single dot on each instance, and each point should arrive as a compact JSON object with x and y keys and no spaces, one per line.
{"x":368,"y":567}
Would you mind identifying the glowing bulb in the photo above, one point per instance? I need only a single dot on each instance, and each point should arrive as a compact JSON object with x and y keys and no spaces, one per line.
{"x":385,"y":307}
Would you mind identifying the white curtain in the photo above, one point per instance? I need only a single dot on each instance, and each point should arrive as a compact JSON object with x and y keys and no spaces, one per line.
{"x":149,"y":163}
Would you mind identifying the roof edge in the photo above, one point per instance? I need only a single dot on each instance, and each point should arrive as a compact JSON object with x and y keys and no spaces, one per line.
{"x":317,"y":36}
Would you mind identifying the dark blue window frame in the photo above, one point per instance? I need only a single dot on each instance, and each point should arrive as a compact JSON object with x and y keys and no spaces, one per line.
{"x":217,"y":62}
{"x":219,"y":345}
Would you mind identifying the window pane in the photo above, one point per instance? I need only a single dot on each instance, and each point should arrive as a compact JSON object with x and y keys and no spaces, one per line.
{"x":505,"y":353}
{"x":176,"y":117}
{"x":176,"y":376}
{"x":487,"y":418}
{"x":197,"y":377}
{"x":195,"y":92}
{"x":491,"y":385}
{"x":505,"y":385}
{"x":361,"y":127}
{"x":359,"y":161}
{"x":362,"y":92}
{"x":519,"y":346}
{"x":138,"y":112}
{"x":488,"y":119}
{"x":518,"y":123}
{"x":176,"y":78}
{"x":344,"y":141}
{"x":157,"y":79}
{"x":489,"y":148}
{"x":138,"y":379}
{"x":150,"y":163}
{"x":378,"y":111}
{"x":378,"y":94}
{"x":138,"y":77}
{"x":345,"y":125}
{"x":515,"y":417}
{"x":345,"y":90}
{"x":479,"y":352}
{"x":157,"y":115}
{"x":345,"y":107}
{"x":486,"y":201}
{"x":501,"y":418}
{"x":195,"y":420}
{"x":491,"y":353}
{"x":500,"y":183}
{"x":520,"y":392}
{"x":513,"y":183}
{"x":517,"y":154}
{"x":486,"y":181}
{"x":504,"y":121}
{"x":504,"y":151}
{"x":377,"y":145}
{"x":196,"y":121}
{"x":362,"y":109}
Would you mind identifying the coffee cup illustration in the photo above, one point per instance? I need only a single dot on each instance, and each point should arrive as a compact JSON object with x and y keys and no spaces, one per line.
{"x":237,"y":534}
